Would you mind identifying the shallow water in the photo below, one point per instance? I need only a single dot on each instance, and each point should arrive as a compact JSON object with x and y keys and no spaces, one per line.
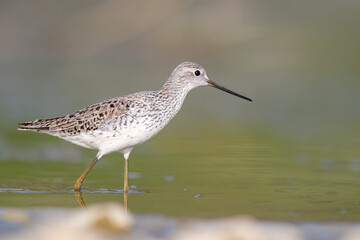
{"x":290,"y":159}
{"x":211,"y":174}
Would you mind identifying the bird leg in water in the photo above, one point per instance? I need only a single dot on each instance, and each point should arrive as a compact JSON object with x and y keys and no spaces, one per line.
{"x":78,"y":182}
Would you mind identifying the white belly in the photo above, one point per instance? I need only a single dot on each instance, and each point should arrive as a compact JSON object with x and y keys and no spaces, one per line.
{"x":108,"y":141}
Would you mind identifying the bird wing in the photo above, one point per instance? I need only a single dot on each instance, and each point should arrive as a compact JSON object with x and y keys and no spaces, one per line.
{"x":85,"y":119}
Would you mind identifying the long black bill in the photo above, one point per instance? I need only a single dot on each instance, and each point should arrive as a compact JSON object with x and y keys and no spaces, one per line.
{"x":215,"y":85}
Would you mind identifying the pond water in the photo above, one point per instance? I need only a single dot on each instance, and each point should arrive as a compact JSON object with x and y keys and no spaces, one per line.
{"x":222,"y":172}
{"x":287,"y":164}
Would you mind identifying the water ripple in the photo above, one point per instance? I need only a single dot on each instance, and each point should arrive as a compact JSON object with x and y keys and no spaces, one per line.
{"x":93,"y":190}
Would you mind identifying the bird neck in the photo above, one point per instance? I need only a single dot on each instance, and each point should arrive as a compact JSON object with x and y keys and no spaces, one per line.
{"x":173,"y":94}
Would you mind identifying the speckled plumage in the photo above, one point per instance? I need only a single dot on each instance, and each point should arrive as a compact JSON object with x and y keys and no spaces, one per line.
{"x":119,"y":124}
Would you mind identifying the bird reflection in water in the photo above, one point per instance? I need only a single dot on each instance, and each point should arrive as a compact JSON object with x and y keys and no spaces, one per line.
{"x":80,"y":200}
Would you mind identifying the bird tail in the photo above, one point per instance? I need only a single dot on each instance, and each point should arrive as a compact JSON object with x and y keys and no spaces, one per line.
{"x":36,"y":125}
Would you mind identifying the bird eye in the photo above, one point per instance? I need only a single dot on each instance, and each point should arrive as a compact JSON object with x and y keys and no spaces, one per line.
{"x":197,"y":73}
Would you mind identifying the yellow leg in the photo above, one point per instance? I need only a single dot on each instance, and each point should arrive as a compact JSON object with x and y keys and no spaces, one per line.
{"x":78,"y":182}
{"x":126,"y":194}
{"x":126,"y":176}
{"x":80,"y":200}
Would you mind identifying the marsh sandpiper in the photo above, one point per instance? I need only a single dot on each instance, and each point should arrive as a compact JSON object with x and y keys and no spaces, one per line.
{"x":119,"y":124}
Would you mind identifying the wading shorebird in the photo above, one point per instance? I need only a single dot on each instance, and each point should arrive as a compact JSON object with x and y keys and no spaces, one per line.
{"x":119,"y":124}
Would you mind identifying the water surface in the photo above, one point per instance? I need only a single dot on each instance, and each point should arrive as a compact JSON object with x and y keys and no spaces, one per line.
{"x":224,"y":172}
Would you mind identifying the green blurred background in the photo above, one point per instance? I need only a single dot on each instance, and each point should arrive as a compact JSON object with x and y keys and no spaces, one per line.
{"x":298,"y":60}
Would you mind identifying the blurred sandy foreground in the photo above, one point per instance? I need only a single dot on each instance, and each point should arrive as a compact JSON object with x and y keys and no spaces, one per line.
{"x":109,"y":221}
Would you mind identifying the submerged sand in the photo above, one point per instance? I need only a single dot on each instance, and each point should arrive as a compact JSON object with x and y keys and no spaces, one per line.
{"x":111,"y":221}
